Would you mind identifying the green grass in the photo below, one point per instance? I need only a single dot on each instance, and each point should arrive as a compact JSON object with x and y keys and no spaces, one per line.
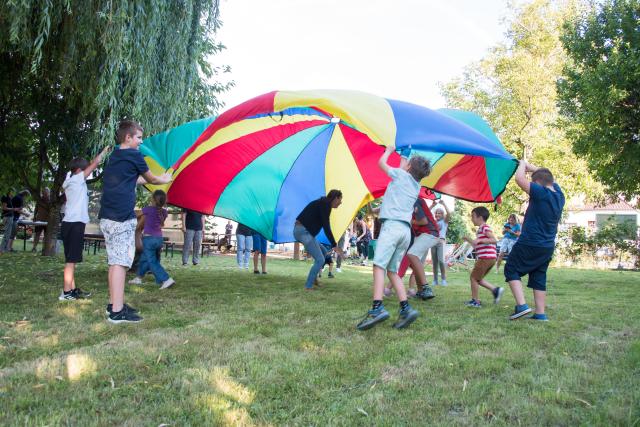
{"x":225,"y":347}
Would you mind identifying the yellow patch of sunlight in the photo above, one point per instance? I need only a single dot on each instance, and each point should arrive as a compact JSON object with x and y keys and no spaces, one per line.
{"x":48,"y":340}
{"x":23,"y":326}
{"x":79,"y":364}
{"x":221,"y":380}
{"x":48,"y":368}
{"x":99,"y":327}
{"x":69,"y":310}
{"x":237,"y":417}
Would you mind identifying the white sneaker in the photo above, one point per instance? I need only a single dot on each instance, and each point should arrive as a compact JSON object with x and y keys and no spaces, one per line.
{"x":443,"y":283}
{"x":167,"y":283}
{"x":338,"y":270}
{"x":435,"y":283}
{"x":135,"y":281}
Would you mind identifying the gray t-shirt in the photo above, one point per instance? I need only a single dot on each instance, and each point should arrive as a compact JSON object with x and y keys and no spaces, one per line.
{"x":400,"y":196}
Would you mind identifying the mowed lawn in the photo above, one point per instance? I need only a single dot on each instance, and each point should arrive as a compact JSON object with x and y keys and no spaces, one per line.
{"x":225,"y":347}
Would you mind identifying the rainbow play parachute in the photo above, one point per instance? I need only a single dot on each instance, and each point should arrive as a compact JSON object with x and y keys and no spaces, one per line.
{"x":262,"y":161}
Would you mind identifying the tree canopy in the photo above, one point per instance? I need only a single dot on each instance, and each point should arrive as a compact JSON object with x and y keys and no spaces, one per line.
{"x":71,"y":70}
{"x":599,"y":93}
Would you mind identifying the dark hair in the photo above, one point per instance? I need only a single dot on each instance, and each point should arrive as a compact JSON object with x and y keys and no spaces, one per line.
{"x":542,"y":176}
{"x":482,"y":212}
{"x":159,"y":200}
{"x":420,"y":167}
{"x":78,"y":163}
{"x":334,"y":194}
{"x":359,"y":217}
{"x":127,"y":127}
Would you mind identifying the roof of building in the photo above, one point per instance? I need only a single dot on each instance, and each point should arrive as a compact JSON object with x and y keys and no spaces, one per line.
{"x":619,"y":205}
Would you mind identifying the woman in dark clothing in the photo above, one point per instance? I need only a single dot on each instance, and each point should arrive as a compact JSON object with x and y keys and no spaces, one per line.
{"x":315,"y":216}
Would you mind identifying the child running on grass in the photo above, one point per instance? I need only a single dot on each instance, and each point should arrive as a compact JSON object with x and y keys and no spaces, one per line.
{"x":510,"y":234}
{"x":485,"y":246}
{"x":395,"y":212}
{"x":126,"y":168}
{"x":533,"y":251}
{"x":74,"y":222}
{"x":153,"y":217}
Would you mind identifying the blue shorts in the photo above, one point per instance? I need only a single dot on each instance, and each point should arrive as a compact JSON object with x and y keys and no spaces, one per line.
{"x":259,"y":244}
{"x":531,"y":260}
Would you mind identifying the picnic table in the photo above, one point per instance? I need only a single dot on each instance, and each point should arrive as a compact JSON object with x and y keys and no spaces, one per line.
{"x":95,"y":240}
{"x":28,"y":224}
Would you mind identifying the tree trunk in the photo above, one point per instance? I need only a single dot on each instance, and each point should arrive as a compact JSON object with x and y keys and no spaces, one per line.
{"x":296,"y":251}
{"x":53,"y":225}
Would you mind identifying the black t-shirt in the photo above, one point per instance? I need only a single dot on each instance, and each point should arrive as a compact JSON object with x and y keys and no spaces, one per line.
{"x":119,"y":181}
{"x":243,"y":230}
{"x":193,"y":220}
{"x":6,"y":199}
{"x":315,"y":216}
{"x":17,"y":202}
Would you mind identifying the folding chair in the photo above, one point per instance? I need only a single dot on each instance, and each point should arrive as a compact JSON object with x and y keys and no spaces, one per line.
{"x":459,"y":257}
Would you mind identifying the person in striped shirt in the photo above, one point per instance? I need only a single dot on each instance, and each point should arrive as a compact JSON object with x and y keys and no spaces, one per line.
{"x":485,"y":246}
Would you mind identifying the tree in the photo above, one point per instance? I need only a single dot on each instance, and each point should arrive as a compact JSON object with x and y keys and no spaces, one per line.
{"x":514,"y":89}
{"x":70,"y":71}
{"x":599,"y":93}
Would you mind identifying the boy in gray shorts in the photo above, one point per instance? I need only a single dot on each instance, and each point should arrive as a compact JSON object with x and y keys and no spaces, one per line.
{"x":395,"y":212}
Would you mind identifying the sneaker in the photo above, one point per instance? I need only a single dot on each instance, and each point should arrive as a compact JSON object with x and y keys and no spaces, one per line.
{"x":520,"y":311}
{"x":331,"y":275}
{"x":184,"y":264}
{"x":411,"y":293}
{"x":195,"y":263}
{"x":338,"y":270}
{"x":406,"y":317}
{"x":256,"y":272}
{"x":497,"y":294}
{"x":80,"y":294}
{"x":541,"y":317}
{"x":264,"y":272}
{"x":167,"y":283}
{"x":246,"y":267}
{"x":372,"y":318}
{"x":124,"y":316}
{"x":127,"y":306}
{"x":135,"y":281}
{"x":426,"y":293}
{"x":68,"y":296}
{"x":443,"y":283}
{"x":473,"y":303}
{"x":434,"y":283}
{"x":240,"y":267}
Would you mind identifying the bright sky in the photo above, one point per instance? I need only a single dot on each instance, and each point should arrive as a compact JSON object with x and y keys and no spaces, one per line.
{"x":400,"y":49}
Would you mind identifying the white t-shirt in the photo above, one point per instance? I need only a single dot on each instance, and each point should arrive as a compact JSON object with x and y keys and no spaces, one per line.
{"x":400,"y":196}
{"x":77,"y":206}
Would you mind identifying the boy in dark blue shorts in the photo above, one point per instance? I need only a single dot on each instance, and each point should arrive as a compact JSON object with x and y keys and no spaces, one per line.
{"x":533,"y":251}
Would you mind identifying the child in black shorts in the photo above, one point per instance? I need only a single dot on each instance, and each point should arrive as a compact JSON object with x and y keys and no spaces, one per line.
{"x":533,"y":251}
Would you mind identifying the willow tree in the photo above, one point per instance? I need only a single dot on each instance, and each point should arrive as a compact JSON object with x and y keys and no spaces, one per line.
{"x":71,"y":70}
{"x":514,"y":88}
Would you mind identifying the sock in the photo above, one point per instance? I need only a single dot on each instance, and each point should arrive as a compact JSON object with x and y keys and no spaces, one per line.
{"x":404,"y":305}
{"x":67,"y":292}
{"x":376,"y":304}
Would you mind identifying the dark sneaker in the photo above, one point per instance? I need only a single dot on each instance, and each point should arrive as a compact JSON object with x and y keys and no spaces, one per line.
{"x":372,"y":318}
{"x":127,"y":306}
{"x":256,"y":272}
{"x":331,"y":275}
{"x":264,"y":272}
{"x":497,"y":294}
{"x":80,"y":294}
{"x":124,"y":316}
{"x":520,"y":310}
{"x":426,"y":293}
{"x":541,"y":317}
{"x":68,"y":296}
{"x":406,"y":317}
{"x":473,"y":303}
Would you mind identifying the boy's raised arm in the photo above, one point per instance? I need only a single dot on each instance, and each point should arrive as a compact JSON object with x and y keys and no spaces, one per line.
{"x":382,"y":163}
{"x":96,"y":161}
{"x":521,"y":177}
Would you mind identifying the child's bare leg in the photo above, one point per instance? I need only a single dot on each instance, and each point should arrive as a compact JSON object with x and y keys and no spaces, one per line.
{"x":412,"y":280}
{"x":418,"y":269}
{"x":378,"y":283}
{"x":263,"y":262}
{"x":500,"y":256}
{"x":486,"y":285}
{"x":69,"y":280}
{"x":116,"y":286}
{"x":474,"y":289}
{"x":516,"y":290}
{"x":539,"y":298}
{"x":397,"y":283}
{"x":255,"y":261}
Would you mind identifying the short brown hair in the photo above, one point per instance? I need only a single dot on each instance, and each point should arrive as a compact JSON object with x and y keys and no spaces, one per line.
{"x":78,"y":163}
{"x":542,"y":176}
{"x":481,"y":211}
{"x":420,"y":167}
{"x":127,"y":127}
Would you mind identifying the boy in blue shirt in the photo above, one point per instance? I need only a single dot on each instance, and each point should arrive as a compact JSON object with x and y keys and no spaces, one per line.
{"x":125,"y":168}
{"x":533,"y":251}
{"x":395,"y":212}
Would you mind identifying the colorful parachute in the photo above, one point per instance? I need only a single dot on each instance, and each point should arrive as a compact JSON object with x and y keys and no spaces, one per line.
{"x":262,"y":161}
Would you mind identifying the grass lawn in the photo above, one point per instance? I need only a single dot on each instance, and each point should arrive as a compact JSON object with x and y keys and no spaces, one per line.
{"x":225,"y":347}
